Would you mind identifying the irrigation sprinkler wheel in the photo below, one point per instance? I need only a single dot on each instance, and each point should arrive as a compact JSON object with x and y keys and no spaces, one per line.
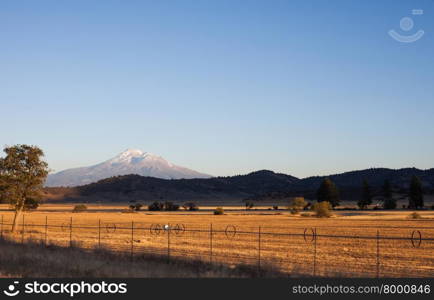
{"x":111,"y":228}
{"x":178,"y":229}
{"x":416,"y":238}
{"x":155,"y":229}
{"x":305,"y":235}
{"x":230,"y":231}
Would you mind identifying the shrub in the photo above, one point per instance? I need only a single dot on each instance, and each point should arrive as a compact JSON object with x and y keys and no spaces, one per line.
{"x":156,"y":206}
{"x":322,"y":209}
{"x":414,"y":215}
{"x":305,"y":214}
{"x":219,"y":211}
{"x":169,"y":206}
{"x":275,"y":207}
{"x":249,"y":205}
{"x":296,"y":205}
{"x":191,"y":206}
{"x":432,"y":206}
{"x":293,"y":211}
{"x":136,"y":207}
{"x":79,"y":208}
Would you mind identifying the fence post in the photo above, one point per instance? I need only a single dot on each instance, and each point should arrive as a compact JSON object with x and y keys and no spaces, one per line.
{"x":378,"y":253}
{"x":314,"y":252}
{"x":132,"y":240}
{"x":70,"y":232}
{"x":259,"y":250}
{"x":46,"y":230}
{"x":168,"y":243}
{"x":210,"y":243}
{"x":99,"y":233}
{"x":1,"y":229}
{"x":22,"y":232}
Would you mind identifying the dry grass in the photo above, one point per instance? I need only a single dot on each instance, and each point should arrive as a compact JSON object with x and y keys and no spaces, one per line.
{"x":34,"y":259}
{"x":292,"y":254}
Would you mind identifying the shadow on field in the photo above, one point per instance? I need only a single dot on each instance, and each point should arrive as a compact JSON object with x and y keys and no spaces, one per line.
{"x":34,"y":259}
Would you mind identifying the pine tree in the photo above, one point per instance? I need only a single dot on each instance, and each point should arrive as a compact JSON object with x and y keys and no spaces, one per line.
{"x":415,"y":197}
{"x":386,"y":191}
{"x":328,"y":192}
{"x":366,"y":196}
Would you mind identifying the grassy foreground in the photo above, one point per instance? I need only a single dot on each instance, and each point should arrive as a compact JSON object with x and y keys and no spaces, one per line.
{"x":36,"y":260}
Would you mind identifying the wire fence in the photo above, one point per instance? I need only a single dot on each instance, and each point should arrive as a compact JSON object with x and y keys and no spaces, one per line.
{"x":332,"y":251}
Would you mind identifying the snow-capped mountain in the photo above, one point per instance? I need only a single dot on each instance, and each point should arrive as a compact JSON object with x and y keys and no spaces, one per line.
{"x":131,"y":161}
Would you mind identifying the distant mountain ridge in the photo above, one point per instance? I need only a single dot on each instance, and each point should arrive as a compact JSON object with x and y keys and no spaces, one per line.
{"x":131,"y":161}
{"x":256,"y":185}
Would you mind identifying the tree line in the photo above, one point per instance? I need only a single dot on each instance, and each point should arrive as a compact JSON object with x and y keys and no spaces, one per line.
{"x":329,"y":192}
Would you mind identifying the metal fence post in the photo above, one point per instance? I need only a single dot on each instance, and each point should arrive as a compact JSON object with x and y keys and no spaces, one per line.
{"x":259,"y":250}
{"x":99,"y":233}
{"x":132,"y":240}
{"x":70,"y":232}
{"x":46,"y":230}
{"x":378,"y":253}
{"x":314,"y":252}
{"x":22,"y":232}
{"x":168,"y":243}
{"x":210,"y":243}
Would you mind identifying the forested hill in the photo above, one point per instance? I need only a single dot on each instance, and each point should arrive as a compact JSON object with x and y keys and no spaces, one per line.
{"x":257,"y":185}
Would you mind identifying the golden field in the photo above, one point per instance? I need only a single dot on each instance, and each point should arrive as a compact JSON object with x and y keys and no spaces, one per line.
{"x":350,"y":244}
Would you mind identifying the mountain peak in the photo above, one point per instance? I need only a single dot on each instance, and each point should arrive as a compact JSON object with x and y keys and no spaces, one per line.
{"x":135,"y":156}
{"x":130,"y":161}
{"x":133,"y":152}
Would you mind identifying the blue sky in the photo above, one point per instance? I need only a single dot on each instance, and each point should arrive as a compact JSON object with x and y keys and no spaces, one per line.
{"x":224,"y":87}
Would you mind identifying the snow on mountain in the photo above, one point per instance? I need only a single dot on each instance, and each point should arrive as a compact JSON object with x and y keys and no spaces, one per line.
{"x":131,"y":161}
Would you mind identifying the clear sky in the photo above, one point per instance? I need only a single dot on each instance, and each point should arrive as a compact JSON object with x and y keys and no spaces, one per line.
{"x":306,"y":87}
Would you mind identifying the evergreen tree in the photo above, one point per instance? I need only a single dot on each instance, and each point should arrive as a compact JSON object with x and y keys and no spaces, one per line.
{"x":386,"y":191}
{"x":328,"y":192}
{"x":366,"y":196}
{"x":415,"y":197}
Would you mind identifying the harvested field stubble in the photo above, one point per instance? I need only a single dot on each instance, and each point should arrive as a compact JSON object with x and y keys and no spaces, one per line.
{"x":299,"y":246}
